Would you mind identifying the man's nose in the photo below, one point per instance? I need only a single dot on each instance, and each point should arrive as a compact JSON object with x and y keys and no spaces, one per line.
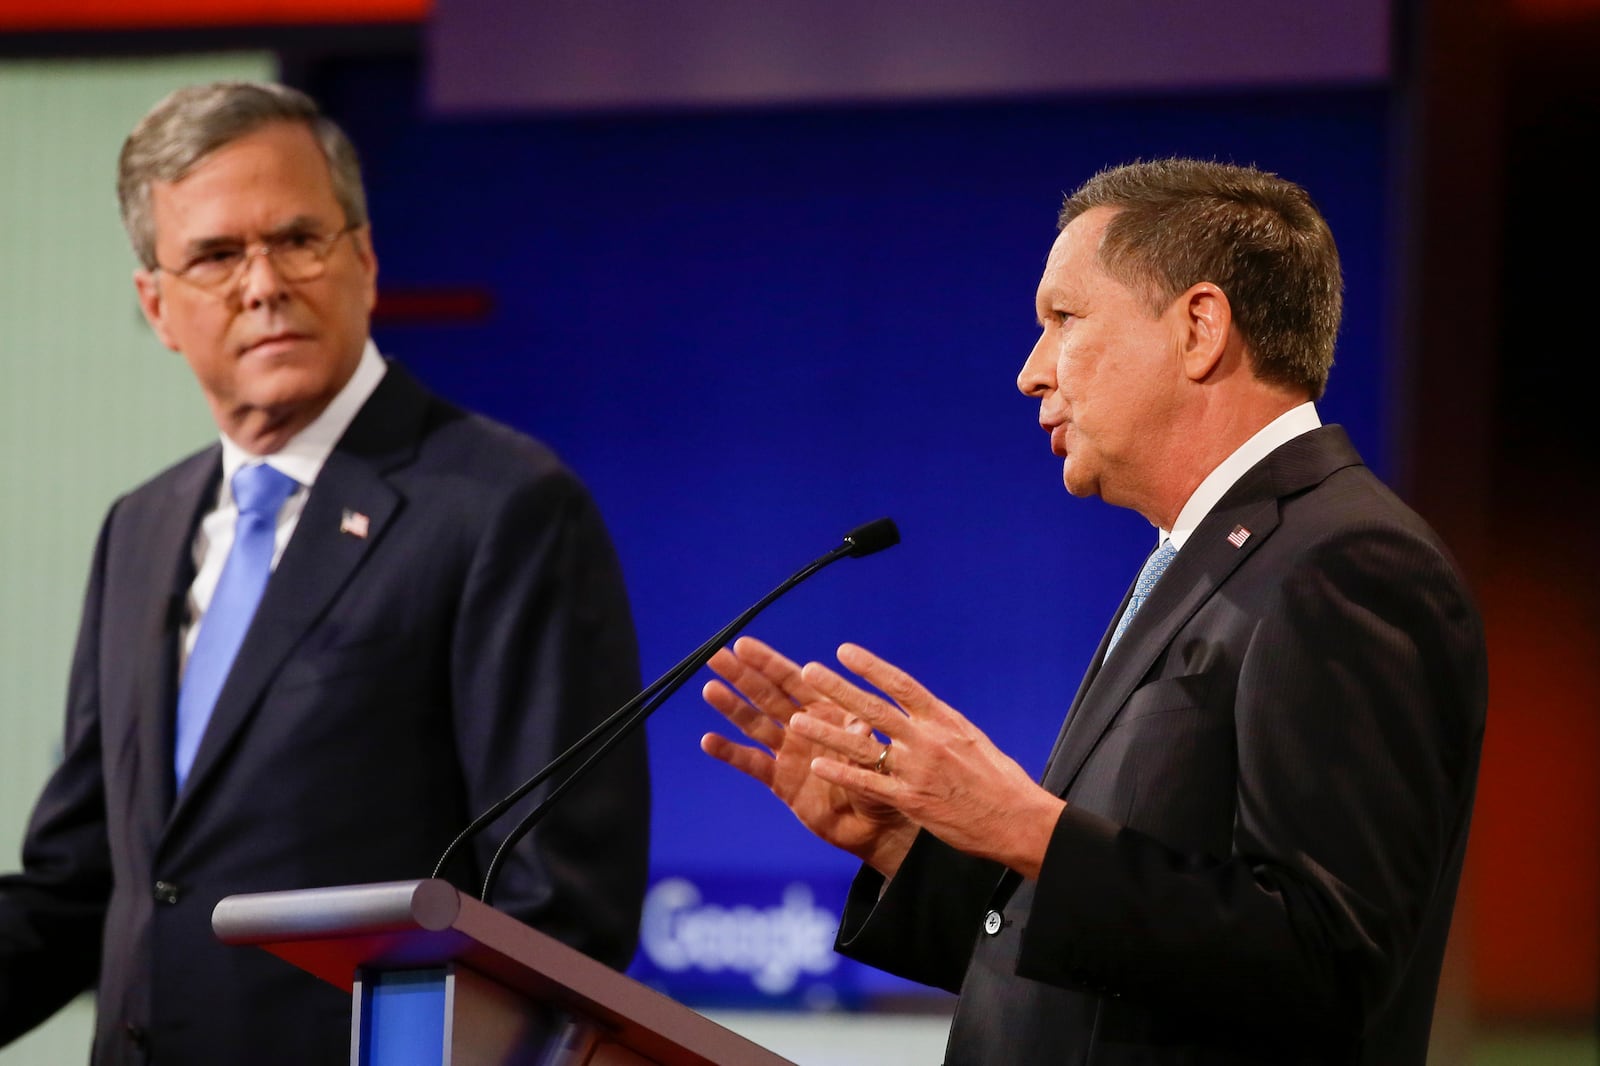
{"x":1038,"y":374}
{"x":260,"y":281}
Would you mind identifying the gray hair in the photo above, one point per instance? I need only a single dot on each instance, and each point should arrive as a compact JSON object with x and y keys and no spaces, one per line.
{"x":1256,"y":236}
{"x":191,"y":123}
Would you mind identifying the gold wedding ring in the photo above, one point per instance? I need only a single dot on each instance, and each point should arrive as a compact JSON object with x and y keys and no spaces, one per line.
{"x":883,"y":761}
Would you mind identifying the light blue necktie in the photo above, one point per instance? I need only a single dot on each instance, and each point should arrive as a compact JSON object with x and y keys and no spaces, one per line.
{"x":260,"y":492}
{"x":1154,"y":567}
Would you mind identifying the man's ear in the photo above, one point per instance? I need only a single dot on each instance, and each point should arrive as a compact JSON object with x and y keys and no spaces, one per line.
{"x":153,"y":304}
{"x":1207,"y":324}
{"x":368,"y":259}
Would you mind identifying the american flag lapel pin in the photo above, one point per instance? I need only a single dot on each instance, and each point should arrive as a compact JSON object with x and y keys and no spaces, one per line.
{"x":1236,"y":538}
{"x":354,"y":523}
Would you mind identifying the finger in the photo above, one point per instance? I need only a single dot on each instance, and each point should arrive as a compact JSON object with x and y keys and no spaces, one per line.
{"x":877,"y":712}
{"x":781,"y":671}
{"x":752,"y":685}
{"x":880,"y":788}
{"x":862,"y":748}
{"x":889,"y":679}
{"x":762,"y":685}
{"x":746,"y":760}
{"x":745,"y":718}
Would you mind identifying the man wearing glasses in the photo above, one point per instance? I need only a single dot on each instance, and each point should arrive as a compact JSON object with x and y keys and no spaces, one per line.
{"x":312,"y":651}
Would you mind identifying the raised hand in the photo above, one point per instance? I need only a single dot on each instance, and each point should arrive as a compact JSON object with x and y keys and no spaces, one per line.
{"x":941,"y":771}
{"x":763,"y":692}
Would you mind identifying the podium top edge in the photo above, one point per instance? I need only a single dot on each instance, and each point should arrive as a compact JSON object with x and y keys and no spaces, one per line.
{"x":344,"y":910}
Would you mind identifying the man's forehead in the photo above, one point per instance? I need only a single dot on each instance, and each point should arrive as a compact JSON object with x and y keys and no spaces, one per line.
{"x":1084,"y":235}
{"x":1075,"y":250}
{"x":257,"y":183}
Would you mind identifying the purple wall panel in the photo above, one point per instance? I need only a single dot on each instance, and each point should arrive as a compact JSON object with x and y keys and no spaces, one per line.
{"x":578,"y":55}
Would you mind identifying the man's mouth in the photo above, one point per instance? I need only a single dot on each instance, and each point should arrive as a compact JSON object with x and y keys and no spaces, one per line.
{"x":272,"y":343}
{"x":1058,"y":436}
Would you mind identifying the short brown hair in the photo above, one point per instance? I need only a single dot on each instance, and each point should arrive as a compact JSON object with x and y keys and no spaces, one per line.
{"x":1257,"y":237}
{"x":191,"y":123}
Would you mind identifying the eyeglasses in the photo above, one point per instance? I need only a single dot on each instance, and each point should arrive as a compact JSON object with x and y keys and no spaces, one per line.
{"x":296,"y":256}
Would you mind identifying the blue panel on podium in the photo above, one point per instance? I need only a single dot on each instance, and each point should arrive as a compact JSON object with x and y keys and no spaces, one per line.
{"x":402,"y":1018}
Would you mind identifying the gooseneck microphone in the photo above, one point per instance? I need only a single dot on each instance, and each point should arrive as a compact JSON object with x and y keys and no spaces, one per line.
{"x":861,"y":541}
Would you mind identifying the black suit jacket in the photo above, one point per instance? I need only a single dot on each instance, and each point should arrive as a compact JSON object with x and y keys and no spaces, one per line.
{"x":1269,"y":783}
{"x":390,"y":687}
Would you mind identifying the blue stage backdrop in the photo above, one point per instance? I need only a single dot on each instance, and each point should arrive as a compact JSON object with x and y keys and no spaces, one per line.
{"x":751,"y":331}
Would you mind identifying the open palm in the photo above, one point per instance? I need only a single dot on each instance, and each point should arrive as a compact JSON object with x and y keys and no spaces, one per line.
{"x":763,"y":690}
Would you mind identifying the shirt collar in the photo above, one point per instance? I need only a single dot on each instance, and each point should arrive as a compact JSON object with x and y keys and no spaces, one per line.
{"x":303,"y":457}
{"x":1279,"y":431}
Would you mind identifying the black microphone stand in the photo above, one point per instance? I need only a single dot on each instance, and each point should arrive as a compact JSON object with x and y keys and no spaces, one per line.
{"x":863,"y":540}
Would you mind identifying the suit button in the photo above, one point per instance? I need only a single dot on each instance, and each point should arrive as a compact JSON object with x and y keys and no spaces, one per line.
{"x":992,"y":923}
{"x":136,"y":1035}
{"x":166,"y":892}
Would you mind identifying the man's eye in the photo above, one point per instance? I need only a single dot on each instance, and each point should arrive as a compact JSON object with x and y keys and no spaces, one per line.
{"x":297,"y":241}
{"x":214,"y":258}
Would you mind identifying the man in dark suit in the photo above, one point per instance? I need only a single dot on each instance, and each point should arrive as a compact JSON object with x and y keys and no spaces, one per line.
{"x":1246,"y":844}
{"x":323,"y":688}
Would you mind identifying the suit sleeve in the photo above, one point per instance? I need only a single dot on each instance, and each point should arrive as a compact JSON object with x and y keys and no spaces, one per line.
{"x":923,"y":924}
{"x":53,"y":911}
{"x":544,"y":650}
{"x":1358,"y":716}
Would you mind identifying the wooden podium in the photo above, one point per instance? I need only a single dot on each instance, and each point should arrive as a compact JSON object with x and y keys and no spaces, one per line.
{"x":439,"y":979}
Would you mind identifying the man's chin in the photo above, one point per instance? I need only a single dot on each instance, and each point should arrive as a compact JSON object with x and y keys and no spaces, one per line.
{"x":264,"y":420}
{"x":1077,"y":482}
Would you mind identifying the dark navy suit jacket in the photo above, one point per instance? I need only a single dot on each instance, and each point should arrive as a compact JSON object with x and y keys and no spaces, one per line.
{"x":1269,"y":784}
{"x":391,"y":686}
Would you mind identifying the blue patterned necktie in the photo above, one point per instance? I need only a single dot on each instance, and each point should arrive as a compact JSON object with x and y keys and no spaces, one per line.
{"x":260,"y":492}
{"x":1154,"y":567}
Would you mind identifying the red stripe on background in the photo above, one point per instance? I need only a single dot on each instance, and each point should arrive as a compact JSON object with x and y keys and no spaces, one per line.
{"x":145,"y":14}
{"x":445,"y":305}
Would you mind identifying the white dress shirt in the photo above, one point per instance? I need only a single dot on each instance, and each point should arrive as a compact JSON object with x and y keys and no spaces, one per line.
{"x":302,"y":459}
{"x":1279,"y":431}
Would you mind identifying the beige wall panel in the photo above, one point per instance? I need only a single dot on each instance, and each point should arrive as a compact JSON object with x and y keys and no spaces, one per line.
{"x":90,"y":403}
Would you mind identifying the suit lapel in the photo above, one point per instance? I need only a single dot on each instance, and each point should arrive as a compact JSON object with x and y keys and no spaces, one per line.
{"x":166,"y":538}
{"x":1204,"y":564}
{"x":320,"y":560}
{"x":1085,"y":685}
{"x":1195,"y":574}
